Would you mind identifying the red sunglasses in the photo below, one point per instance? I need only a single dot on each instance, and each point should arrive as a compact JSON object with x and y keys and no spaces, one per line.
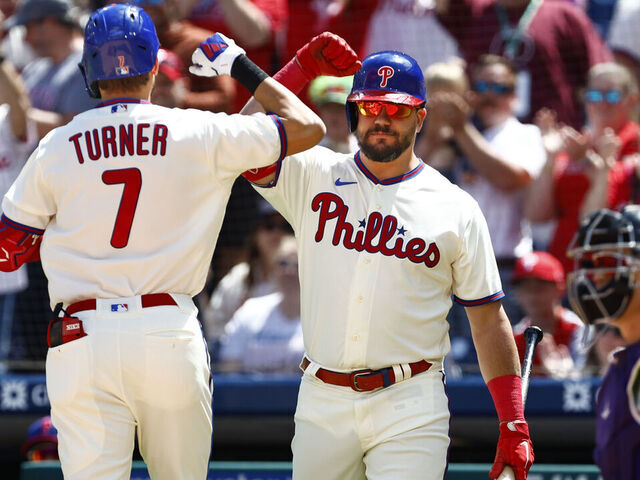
{"x":394,"y":110}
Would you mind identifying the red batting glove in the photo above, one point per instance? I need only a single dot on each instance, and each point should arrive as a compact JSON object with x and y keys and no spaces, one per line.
{"x":514,"y":449}
{"x":328,"y":54}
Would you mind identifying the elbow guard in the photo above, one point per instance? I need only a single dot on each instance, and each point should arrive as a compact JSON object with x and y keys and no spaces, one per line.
{"x":17,"y":246}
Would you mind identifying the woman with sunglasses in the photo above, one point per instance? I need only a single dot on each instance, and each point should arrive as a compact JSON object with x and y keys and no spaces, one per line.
{"x":581,"y":166}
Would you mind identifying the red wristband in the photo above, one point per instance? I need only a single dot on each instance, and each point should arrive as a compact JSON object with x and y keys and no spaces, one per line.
{"x":292,"y":76}
{"x":506,"y":392}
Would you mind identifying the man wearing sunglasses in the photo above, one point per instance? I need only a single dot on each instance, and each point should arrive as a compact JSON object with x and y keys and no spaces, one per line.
{"x":384,"y":241}
{"x":503,"y":157}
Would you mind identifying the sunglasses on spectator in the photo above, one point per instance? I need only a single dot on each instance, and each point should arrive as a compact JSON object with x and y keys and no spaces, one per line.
{"x":493,"y":87}
{"x":373,"y":109}
{"x":612,"y":97}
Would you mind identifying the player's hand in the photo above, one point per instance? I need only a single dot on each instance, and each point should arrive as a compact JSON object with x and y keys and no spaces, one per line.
{"x":215,"y":56}
{"x":514,"y":449}
{"x":328,"y":54}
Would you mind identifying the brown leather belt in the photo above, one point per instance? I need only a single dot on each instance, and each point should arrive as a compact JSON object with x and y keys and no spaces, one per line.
{"x":148,"y":300}
{"x":365,"y":380}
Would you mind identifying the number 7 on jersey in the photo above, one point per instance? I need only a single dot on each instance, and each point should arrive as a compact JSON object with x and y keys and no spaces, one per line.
{"x":132,"y":180}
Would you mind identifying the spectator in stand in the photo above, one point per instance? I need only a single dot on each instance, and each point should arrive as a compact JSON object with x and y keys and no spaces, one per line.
{"x":436,"y":145}
{"x":256,"y":25}
{"x":624,"y":35}
{"x":552,"y":43}
{"x":172,"y":85}
{"x":13,"y":46}
{"x":55,"y":84}
{"x":540,"y":285}
{"x":216,"y":94}
{"x":329,"y":97}
{"x":408,"y":26}
{"x":253,"y":277}
{"x":41,"y":442}
{"x":17,"y":139}
{"x":579,"y":162}
{"x":265,"y":334}
{"x":503,"y":157}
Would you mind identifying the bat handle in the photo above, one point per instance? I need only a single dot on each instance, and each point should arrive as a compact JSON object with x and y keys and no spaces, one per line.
{"x":507,"y":474}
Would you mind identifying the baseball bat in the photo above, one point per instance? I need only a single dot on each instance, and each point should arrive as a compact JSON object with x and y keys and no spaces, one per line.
{"x":532,"y":336}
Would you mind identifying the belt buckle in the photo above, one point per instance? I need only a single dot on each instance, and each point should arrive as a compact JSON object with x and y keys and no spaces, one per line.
{"x":353,"y":378}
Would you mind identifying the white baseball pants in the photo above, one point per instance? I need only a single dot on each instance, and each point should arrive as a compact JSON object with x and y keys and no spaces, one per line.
{"x":144,"y":369}
{"x":400,"y":432}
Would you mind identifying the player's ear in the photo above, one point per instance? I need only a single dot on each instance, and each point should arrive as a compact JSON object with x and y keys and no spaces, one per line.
{"x":154,"y":70}
{"x":421,"y":114}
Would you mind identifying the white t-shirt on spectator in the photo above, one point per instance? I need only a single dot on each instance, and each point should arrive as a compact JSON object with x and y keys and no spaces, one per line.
{"x":262,"y":338}
{"x":624,"y":34}
{"x":410,"y":26}
{"x":521,"y":145}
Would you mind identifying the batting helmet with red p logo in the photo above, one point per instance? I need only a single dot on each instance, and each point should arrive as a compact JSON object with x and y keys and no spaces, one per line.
{"x":387,"y":76}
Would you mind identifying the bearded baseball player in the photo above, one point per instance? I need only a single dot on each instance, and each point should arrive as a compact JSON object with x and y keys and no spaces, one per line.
{"x":603,"y":289}
{"x":124,"y":205}
{"x":384,"y":242}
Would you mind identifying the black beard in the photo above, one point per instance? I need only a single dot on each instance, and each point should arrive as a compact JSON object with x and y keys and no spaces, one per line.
{"x":384,"y":153}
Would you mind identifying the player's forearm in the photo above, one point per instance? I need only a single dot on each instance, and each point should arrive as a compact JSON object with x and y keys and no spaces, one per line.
{"x":303,"y":127}
{"x":502,"y":174}
{"x":494,"y":342}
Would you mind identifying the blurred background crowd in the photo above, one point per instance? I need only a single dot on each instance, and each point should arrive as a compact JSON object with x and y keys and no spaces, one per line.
{"x":532,"y":109}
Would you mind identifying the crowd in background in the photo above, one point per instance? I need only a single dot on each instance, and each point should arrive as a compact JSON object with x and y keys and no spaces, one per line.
{"x":532,"y":109}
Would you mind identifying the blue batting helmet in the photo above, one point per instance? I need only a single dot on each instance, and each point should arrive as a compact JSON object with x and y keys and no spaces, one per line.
{"x":120,"y":41}
{"x":387,"y":76}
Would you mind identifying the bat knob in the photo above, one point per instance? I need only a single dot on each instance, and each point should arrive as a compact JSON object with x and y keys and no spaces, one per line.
{"x":534,"y":332}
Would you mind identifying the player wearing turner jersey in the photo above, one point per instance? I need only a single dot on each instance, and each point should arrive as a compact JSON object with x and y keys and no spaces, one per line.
{"x":384,"y":241}
{"x":124,"y":205}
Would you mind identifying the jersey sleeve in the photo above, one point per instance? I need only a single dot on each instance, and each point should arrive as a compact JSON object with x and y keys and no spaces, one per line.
{"x":240,"y":142}
{"x":30,"y":202}
{"x":476,"y":280}
{"x":288,"y":190}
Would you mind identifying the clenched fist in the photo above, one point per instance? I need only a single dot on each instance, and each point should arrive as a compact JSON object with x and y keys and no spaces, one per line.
{"x":328,"y":54}
{"x":215,"y":56}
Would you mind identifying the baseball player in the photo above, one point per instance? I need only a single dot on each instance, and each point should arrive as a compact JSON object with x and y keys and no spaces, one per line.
{"x":603,"y":289}
{"x":384,"y":241}
{"x":124,"y":205}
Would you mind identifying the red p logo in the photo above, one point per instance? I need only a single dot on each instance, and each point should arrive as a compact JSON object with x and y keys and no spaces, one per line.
{"x":386,"y":73}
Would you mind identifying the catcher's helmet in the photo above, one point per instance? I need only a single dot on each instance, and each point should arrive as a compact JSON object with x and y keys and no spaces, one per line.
{"x":606,"y":251}
{"x":120,"y":41}
{"x":387,"y":76}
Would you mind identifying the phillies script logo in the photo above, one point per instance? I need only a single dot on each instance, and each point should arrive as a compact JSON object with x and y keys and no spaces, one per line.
{"x":386,"y":73}
{"x":377,"y":236}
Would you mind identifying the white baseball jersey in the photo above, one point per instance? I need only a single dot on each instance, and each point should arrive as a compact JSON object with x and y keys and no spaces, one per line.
{"x":132,"y":195}
{"x":379,"y":260}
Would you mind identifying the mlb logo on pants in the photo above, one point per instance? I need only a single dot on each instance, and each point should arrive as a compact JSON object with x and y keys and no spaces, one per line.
{"x":119,"y":307}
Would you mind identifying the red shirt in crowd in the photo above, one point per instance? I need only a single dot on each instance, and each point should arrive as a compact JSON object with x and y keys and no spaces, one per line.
{"x":571,"y":184}
{"x":567,"y":331}
{"x":557,"y":49}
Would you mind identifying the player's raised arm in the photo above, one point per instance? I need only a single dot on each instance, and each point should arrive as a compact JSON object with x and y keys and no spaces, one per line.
{"x":324,"y":54}
{"x":219,"y":55}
